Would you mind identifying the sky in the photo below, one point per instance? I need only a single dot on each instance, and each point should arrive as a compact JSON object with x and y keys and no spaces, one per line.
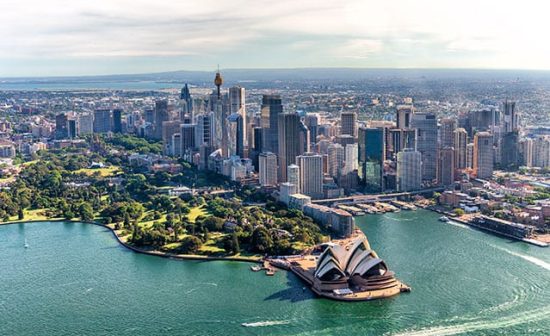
{"x":76,"y":37}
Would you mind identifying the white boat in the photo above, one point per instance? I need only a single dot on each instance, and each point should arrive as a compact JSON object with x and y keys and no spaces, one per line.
{"x":26,"y":244}
{"x":444,"y":219}
{"x":255,"y":268}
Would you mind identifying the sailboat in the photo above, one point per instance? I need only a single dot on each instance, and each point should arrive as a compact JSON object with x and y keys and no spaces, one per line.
{"x":26,"y":244}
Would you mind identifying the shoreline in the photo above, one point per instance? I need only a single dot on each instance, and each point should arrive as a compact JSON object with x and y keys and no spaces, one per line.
{"x":530,"y":241}
{"x":154,"y":253}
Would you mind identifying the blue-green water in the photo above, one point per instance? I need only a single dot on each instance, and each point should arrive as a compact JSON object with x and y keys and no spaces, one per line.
{"x":76,"y":279}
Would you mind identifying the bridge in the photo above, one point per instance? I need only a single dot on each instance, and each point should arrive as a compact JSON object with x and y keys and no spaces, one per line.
{"x":374,"y":197}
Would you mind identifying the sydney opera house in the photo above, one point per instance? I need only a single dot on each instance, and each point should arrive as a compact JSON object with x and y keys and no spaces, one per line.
{"x":349,"y":270}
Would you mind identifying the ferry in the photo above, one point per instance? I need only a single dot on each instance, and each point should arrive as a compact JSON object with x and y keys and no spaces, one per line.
{"x":444,"y":219}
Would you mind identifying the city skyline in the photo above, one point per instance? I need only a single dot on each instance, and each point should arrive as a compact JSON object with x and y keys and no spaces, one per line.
{"x":63,"y":38}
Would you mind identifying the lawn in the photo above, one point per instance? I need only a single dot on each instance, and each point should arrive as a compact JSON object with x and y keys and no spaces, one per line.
{"x":103,"y":172}
{"x":196,"y":212}
{"x":32,"y":215}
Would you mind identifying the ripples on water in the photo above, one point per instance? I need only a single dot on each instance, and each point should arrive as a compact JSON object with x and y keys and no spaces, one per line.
{"x":75,"y":279}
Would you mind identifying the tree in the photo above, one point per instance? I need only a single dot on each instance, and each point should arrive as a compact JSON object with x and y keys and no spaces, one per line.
{"x":235,"y":248}
{"x":85,"y":212}
{"x":20,"y":214}
{"x":126,"y":219}
{"x":459,"y":212}
{"x":213,"y":223}
{"x":190,"y":244}
{"x":261,"y":240}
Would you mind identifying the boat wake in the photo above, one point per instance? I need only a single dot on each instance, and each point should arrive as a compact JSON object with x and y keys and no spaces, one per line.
{"x":464,"y":226}
{"x":264,"y":323}
{"x":533,"y":260}
{"x":499,"y":323}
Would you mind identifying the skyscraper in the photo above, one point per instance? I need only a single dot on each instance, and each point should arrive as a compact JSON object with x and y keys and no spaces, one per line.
{"x":188,"y":138}
{"x":348,"y":124}
{"x":470,"y":155}
{"x":85,"y":123}
{"x":271,"y":108}
{"x":446,"y":169}
{"x":446,"y":132}
{"x":237,"y":105}
{"x":509,"y":150}
{"x":61,"y":126}
{"x":460,"y":142}
{"x":403,"y":116}
{"x":268,"y":169}
{"x":169,"y":128}
{"x":102,"y":121}
{"x":541,"y":152}
{"x":311,"y":175}
{"x":483,"y":155}
{"x":288,"y":142}
{"x":161,"y":115}
{"x":311,"y":121}
{"x":510,"y":120}
{"x":185,"y":95}
{"x":117,"y":120}
{"x":293,"y":176}
{"x":336,"y":159}
{"x":409,"y":170}
{"x":352,"y":158}
{"x":372,"y":154}
{"x":236,"y":139}
{"x":426,"y":126}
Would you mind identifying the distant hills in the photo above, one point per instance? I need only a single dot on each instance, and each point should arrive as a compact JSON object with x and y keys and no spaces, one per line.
{"x":298,"y":74}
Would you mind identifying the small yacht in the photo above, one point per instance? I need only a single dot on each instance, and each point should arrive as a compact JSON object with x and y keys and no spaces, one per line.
{"x":26,"y":244}
{"x":444,"y":219}
{"x":255,"y":268}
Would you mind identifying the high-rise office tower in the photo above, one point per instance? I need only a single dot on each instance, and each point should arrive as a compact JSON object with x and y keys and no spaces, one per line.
{"x":236,"y":138}
{"x":470,"y":155}
{"x":336,"y":159}
{"x":117,"y":120}
{"x":372,"y":154}
{"x":161,"y":115}
{"x":176,"y":145}
{"x":102,"y":121}
{"x":348,"y":124}
{"x":185,"y":95}
{"x":293,"y":175}
{"x":460,"y":142}
{"x":446,"y":169}
{"x":205,"y":132}
{"x":311,"y":121}
{"x":311,"y":175}
{"x":426,"y":143}
{"x":72,"y":127}
{"x":541,"y":152}
{"x":150,"y":116}
{"x":268,"y":169}
{"x":169,"y":128}
{"x":509,"y":150}
{"x":188,"y":138}
{"x":351,"y":158}
{"x":483,"y":155}
{"x":527,"y":152}
{"x":409,"y":170}
{"x":401,"y":139}
{"x":404,"y":115}
{"x":61,"y":126}
{"x":510,"y":119}
{"x":289,"y":145}
{"x":237,"y":105}
{"x":303,"y":138}
{"x":85,"y":123}
{"x":446,"y":132}
{"x":271,"y":108}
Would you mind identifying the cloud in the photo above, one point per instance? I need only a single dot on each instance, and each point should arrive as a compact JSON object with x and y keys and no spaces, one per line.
{"x":249,"y":33}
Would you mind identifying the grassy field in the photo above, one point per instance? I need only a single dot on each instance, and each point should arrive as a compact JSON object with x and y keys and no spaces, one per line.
{"x":32,"y":215}
{"x":196,"y":212}
{"x":103,"y":172}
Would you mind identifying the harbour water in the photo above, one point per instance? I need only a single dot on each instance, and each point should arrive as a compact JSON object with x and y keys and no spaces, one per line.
{"x":75,"y":279}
